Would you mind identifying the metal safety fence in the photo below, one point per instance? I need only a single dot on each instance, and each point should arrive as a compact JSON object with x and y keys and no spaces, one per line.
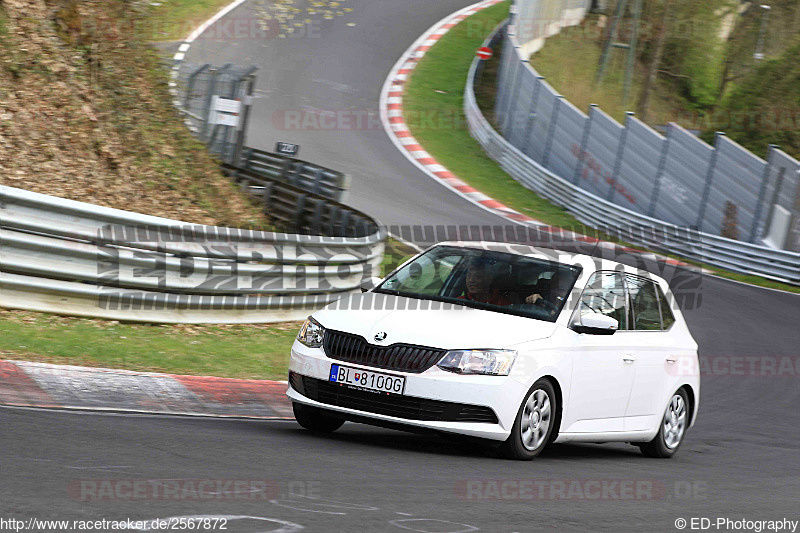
{"x":675,"y":178}
{"x":553,"y":178}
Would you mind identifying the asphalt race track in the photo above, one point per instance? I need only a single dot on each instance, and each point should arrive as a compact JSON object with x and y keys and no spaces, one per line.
{"x":740,"y":461}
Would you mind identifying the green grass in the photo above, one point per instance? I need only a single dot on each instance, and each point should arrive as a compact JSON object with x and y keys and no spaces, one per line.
{"x":435,"y":90}
{"x":247,"y":351}
{"x":173,"y":20}
{"x":569,"y":61}
{"x":434,"y":109}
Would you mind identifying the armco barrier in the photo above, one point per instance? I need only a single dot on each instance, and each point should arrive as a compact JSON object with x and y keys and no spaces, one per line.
{"x":301,"y":174}
{"x":629,"y":225}
{"x":69,"y":257}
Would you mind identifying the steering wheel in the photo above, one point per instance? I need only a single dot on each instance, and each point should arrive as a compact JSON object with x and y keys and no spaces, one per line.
{"x":547,"y":305}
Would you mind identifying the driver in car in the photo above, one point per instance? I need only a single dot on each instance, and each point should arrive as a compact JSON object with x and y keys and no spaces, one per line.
{"x":551,"y":291}
{"x":479,"y":285}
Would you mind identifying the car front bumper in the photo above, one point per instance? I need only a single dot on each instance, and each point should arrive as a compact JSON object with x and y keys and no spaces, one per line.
{"x":501,"y":394}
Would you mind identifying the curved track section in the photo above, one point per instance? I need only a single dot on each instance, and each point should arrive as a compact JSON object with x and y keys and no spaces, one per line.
{"x":736,"y":462}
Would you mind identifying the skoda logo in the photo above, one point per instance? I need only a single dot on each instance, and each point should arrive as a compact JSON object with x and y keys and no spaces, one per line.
{"x":380,"y":336}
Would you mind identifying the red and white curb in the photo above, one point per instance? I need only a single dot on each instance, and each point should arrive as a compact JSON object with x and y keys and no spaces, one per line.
{"x":392,"y":118}
{"x":391,"y":110}
{"x":25,"y":384}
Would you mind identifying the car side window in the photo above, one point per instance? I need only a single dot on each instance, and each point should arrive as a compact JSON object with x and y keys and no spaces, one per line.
{"x":644,"y":304}
{"x":605,"y":294}
{"x":667,"y":317}
{"x":424,"y":276}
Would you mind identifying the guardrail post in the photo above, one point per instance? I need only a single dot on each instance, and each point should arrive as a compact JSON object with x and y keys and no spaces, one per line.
{"x":709,"y":178}
{"x":343,"y":184}
{"x":317,"y":181}
{"x":662,"y":167}
{"x":762,"y":192}
{"x":537,"y":88}
{"x":618,"y":161}
{"x":298,"y":211}
{"x":584,"y":143}
{"x":548,"y":145}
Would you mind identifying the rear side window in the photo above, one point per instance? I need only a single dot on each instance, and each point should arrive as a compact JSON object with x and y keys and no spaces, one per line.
{"x":667,"y":318}
{"x":644,"y":304}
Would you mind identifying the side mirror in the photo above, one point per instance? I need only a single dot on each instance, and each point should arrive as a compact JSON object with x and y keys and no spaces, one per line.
{"x":369,"y":284}
{"x":596,"y":324}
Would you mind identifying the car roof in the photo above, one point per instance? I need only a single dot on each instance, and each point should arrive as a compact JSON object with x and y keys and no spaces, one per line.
{"x":590,"y":264}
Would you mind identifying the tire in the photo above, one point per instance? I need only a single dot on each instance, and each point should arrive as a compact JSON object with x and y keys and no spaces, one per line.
{"x":671,"y":430}
{"x":534,"y":424}
{"x":316,"y":420}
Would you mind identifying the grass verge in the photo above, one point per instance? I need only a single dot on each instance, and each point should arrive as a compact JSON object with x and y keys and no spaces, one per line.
{"x":247,"y":351}
{"x":434,"y":110}
{"x":173,"y":20}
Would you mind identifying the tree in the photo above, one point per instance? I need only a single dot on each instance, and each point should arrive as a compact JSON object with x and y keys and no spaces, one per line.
{"x":655,"y":63}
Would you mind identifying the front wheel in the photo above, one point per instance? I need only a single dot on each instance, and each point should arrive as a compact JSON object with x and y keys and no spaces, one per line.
{"x":534,"y":423}
{"x":671,"y":430}
{"x":314,"y":419}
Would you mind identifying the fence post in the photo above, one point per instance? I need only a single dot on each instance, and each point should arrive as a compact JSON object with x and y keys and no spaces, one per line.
{"x":551,"y":131}
{"x":584,"y":142}
{"x":709,"y":178}
{"x":190,"y":85}
{"x":517,"y":88}
{"x":247,"y":103}
{"x":212,"y":82}
{"x":762,"y":192}
{"x":532,"y":113}
{"x":502,"y":76}
{"x":775,"y":197}
{"x":620,"y":154}
{"x":662,"y":168}
{"x":513,"y":94}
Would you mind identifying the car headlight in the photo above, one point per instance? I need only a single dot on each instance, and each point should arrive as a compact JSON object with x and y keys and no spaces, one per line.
{"x":491,"y":362}
{"x":311,"y":333}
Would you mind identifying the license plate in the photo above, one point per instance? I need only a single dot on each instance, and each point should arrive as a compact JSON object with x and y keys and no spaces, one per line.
{"x":367,"y":379}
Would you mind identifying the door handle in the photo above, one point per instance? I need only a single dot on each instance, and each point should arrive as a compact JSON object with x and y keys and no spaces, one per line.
{"x":629,"y":358}
{"x":672,"y":360}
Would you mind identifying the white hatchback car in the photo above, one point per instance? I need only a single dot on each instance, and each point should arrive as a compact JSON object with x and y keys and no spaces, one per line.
{"x":516,"y":344}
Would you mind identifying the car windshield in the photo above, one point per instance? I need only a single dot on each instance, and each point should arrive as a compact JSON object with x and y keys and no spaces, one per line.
{"x":496,"y":281}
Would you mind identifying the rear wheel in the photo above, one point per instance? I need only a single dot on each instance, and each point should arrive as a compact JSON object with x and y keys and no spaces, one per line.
{"x":671,"y":430}
{"x":534,"y":423}
{"x":314,"y":419}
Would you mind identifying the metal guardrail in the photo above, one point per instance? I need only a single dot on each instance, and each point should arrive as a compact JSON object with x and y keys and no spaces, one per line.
{"x":307,"y":176}
{"x":300,"y":211}
{"x":68,"y":257}
{"x":628,"y":225}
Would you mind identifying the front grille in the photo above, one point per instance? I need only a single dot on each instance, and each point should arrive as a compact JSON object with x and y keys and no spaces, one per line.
{"x":407,"y":407}
{"x":404,"y":357}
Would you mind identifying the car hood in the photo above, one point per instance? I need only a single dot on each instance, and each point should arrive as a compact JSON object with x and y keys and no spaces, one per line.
{"x":428,"y":323}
